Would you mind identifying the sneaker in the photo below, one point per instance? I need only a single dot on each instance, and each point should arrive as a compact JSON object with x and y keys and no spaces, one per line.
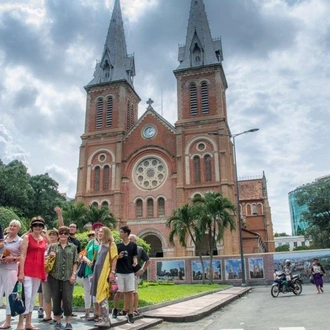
{"x":68,"y":326}
{"x":40,"y":313}
{"x":130,"y":318}
{"x":114,"y":313}
{"x":58,"y":326}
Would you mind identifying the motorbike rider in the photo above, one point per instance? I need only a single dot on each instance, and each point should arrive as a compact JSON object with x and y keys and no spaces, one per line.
{"x":288,"y":268}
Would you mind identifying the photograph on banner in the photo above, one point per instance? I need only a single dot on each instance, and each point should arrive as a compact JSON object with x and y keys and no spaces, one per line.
{"x":302,"y":262}
{"x":197,"y":270}
{"x":170,"y":270}
{"x":256,"y":268}
{"x":233,"y":269}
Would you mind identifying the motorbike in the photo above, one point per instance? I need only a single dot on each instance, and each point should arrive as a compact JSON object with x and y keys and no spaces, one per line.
{"x":281,"y":284}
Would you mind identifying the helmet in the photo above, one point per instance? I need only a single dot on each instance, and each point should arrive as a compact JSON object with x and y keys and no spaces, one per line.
{"x":287,"y":261}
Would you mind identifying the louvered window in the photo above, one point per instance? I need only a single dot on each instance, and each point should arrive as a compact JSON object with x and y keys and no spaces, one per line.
{"x":109,"y":111}
{"x":161,"y":207}
{"x":193,"y":99}
{"x":106,"y":172}
{"x":150,"y":206}
{"x":205,"y":97}
{"x":128,"y":117}
{"x":97,"y":179}
{"x":197,"y":170}
{"x":132,"y":115}
{"x":208,"y":168}
{"x":99,"y":114}
{"x":139,"y":213}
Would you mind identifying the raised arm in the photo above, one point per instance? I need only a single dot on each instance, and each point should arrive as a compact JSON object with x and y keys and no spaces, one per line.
{"x":59,"y":212}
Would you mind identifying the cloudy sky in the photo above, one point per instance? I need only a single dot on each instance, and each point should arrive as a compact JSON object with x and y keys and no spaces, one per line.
{"x":276,"y":60}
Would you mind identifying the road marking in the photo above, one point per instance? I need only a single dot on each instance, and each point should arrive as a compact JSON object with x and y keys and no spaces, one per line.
{"x":292,"y":328}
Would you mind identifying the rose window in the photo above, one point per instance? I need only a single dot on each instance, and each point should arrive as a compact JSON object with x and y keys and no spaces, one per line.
{"x":150,"y":173}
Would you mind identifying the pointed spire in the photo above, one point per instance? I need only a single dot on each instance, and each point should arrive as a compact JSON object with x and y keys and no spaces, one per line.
{"x":200,"y":49}
{"x":115,"y":64}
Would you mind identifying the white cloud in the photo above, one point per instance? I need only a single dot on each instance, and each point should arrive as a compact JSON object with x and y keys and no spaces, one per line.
{"x":277,"y":64}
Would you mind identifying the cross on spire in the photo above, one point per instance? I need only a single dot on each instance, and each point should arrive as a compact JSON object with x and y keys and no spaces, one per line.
{"x":149,"y":102}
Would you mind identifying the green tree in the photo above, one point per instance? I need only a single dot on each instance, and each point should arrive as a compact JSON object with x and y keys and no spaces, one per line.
{"x":15,"y":187}
{"x":316,"y":196}
{"x":214,"y":213}
{"x":7,"y":215}
{"x":283,"y":248}
{"x":103,"y":215}
{"x":182,"y":223}
{"x":75,"y":213}
{"x":281,"y":234}
{"x":44,"y":197}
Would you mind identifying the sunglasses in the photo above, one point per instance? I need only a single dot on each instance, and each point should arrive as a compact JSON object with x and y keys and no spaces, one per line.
{"x":91,"y":235}
{"x":38,"y":225}
{"x":63,"y":233}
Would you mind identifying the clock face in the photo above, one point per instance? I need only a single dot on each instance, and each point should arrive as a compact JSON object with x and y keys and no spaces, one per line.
{"x":149,"y":132}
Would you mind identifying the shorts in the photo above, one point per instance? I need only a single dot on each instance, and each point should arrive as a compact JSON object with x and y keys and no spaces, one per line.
{"x":126,"y":282}
{"x":40,"y":288}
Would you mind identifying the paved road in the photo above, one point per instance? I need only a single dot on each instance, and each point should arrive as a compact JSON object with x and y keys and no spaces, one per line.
{"x":258,"y":310}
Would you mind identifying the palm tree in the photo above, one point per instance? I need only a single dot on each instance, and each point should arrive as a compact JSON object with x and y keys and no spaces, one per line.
{"x":103,"y":215}
{"x":75,"y":213}
{"x":215,"y":214}
{"x":183,"y":222}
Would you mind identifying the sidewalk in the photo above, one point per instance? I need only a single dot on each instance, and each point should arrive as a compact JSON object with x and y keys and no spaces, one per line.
{"x":186,"y":310}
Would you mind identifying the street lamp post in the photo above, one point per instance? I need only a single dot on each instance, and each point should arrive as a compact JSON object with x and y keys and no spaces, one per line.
{"x":233,"y":136}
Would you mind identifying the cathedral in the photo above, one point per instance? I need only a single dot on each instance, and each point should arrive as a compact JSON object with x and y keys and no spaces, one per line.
{"x":144,"y":168}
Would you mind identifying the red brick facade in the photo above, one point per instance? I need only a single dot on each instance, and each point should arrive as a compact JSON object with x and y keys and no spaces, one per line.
{"x":144,"y":168}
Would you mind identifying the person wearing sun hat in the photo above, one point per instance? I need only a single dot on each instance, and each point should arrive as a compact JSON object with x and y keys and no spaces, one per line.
{"x":32,"y":270}
{"x":89,"y":258}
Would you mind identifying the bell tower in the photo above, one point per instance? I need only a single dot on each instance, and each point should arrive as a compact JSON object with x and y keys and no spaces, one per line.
{"x":204,"y":162}
{"x":111,"y":110}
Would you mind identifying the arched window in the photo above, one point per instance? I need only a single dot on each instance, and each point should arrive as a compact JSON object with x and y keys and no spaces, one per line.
{"x":95,"y":204}
{"x":106,"y":172}
{"x":254,"y":209}
{"x":150,"y":207}
{"x":205,"y":97}
{"x":193,"y":99}
{"x":99,"y":113}
{"x":105,"y":204}
{"x":208,"y":168}
{"x":248,"y":209}
{"x":161,"y":207}
{"x":97,"y":171}
{"x":109,"y":111}
{"x":128,"y":116}
{"x":139,"y":208}
{"x":197,"y":170}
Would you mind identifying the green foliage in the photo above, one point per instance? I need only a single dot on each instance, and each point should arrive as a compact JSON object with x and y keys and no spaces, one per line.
{"x":7,"y":215}
{"x":26,"y":195}
{"x":316,"y":196}
{"x":75,"y":213}
{"x":15,"y":188}
{"x":83,"y":237}
{"x":45,"y":196}
{"x":283,"y":248}
{"x":214,"y":214}
{"x":281,"y":234}
{"x":301,"y":248}
{"x":103,"y":215}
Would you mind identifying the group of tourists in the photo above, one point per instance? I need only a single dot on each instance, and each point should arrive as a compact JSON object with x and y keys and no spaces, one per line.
{"x":100,"y":264}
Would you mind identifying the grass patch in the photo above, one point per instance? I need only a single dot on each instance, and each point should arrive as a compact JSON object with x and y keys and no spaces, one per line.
{"x":151,"y":293}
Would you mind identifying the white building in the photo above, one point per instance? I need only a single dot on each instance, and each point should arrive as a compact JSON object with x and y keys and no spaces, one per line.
{"x":292,"y":241}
